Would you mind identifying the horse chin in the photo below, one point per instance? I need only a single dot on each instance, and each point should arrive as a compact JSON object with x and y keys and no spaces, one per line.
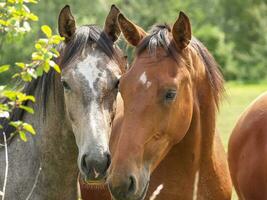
{"x":94,"y":184}
{"x":143,"y":195}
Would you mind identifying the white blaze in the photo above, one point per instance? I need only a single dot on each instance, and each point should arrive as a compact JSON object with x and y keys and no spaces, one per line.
{"x":144,"y":81}
{"x":88,"y":69}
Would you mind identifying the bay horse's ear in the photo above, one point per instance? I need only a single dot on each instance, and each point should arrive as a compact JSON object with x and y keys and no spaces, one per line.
{"x":181,"y":31}
{"x":132,"y":33}
{"x":66,"y":23}
{"x":112,"y":28}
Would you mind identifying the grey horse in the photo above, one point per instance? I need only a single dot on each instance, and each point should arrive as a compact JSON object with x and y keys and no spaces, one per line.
{"x":73,"y":109}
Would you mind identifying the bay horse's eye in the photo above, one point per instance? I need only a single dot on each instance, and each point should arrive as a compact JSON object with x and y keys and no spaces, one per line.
{"x":65,"y":85}
{"x":170,"y":95}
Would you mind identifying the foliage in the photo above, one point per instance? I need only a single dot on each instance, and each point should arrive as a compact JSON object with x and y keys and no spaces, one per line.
{"x":233,"y":30}
{"x":14,"y":22}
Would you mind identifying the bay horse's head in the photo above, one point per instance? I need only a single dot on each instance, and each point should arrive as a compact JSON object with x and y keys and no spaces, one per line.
{"x":159,"y":92}
{"x":91,"y":66}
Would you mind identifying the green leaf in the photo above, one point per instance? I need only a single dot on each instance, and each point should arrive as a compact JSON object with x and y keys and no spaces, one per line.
{"x":57,"y":68}
{"x":37,"y":56}
{"x":39,"y":71}
{"x":47,"y":31}
{"x":10,"y":94}
{"x":29,"y":98}
{"x":4,"y":68}
{"x":33,"y":17}
{"x":29,"y":128}
{"x":46,"y":67}
{"x":27,"y":108}
{"x":55,"y":52}
{"x":23,"y":136}
{"x":15,"y":124}
{"x":20,"y":64}
{"x":56,"y":39}
{"x":32,"y":72}
{"x":43,"y":41}
{"x":26,"y":77}
{"x":38,"y":46}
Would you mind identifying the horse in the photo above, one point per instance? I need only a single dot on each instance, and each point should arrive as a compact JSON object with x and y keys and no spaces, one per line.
{"x":247,"y":151}
{"x":73,"y":115}
{"x":165,"y":136}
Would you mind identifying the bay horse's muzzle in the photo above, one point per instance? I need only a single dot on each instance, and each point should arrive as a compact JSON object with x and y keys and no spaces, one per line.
{"x":125,"y":189}
{"x":94,"y":167}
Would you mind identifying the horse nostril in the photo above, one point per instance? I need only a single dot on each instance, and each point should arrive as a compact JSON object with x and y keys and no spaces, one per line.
{"x":132,"y":185}
{"x":84,"y":164}
{"x":108,"y":160}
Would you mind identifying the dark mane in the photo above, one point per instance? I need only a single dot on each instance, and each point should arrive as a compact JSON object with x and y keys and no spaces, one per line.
{"x":85,"y":36}
{"x":159,"y":37}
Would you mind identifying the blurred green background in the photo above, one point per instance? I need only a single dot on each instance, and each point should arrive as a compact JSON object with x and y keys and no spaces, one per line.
{"x":235,"y":32}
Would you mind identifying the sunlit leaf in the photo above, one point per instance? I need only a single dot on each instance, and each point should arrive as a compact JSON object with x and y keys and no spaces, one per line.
{"x":57,"y":68}
{"x":33,"y":17}
{"x":29,"y":128}
{"x":27,"y":108}
{"x":39,"y":71}
{"x":4,"y":68}
{"x":20,"y":64}
{"x":26,"y":77}
{"x":46,"y":67}
{"x":47,"y":31}
{"x":22,"y":135}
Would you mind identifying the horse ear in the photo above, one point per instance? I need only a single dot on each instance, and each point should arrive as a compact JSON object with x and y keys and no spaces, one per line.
{"x":181,"y":31}
{"x":132,"y":33}
{"x":112,"y":28}
{"x":66,"y":23}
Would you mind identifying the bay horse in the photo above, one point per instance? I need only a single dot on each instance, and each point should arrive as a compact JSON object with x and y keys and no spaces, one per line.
{"x":73,"y":109}
{"x":165,"y":134}
{"x":247,"y":152}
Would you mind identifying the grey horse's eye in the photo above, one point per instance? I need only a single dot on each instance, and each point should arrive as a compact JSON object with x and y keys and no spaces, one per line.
{"x":170,"y":95}
{"x":117,"y":84}
{"x":65,"y":85}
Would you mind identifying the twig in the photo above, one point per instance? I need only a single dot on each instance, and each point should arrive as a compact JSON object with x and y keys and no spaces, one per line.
{"x":196,"y":185}
{"x":156,"y":192}
{"x":6,"y":171}
{"x":35,"y":184}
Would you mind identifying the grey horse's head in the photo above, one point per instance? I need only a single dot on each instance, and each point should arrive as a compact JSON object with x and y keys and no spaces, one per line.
{"x":91,"y":68}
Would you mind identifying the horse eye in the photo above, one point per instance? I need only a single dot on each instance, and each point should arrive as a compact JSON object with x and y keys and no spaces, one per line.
{"x":66,"y":85}
{"x":170,"y":95}
{"x":117,"y":84}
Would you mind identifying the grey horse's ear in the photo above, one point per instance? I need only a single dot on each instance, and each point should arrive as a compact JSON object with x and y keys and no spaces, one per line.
{"x":66,"y":23}
{"x":181,"y":31}
{"x":112,"y":28}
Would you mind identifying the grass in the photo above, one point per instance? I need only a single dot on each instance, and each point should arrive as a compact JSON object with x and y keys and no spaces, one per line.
{"x":238,"y":97}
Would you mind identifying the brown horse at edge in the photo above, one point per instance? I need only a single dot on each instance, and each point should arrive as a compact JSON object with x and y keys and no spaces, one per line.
{"x":247,"y":152}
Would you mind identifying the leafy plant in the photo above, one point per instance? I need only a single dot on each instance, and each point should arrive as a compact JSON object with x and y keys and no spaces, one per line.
{"x":15,"y":17}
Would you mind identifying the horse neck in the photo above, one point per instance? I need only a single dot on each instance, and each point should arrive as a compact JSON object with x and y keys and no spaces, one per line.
{"x":182,"y":164}
{"x":56,"y":147}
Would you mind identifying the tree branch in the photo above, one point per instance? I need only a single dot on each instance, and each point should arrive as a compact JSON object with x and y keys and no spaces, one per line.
{"x":6,"y":171}
{"x":35,"y":184}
